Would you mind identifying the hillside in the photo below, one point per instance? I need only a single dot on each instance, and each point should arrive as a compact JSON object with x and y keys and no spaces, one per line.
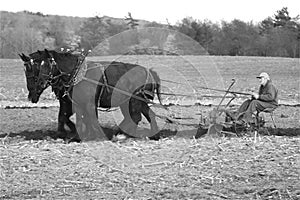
{"x":71,"y":23}
{"x":26,"y":31}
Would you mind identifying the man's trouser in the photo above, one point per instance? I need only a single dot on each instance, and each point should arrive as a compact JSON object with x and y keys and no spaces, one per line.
{"x":249,"y":107}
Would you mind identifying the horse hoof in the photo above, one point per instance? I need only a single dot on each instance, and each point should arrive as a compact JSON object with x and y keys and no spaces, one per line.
{"x":119,"y":138}
{"x":74,"y":139}
{"x":61,"y":134}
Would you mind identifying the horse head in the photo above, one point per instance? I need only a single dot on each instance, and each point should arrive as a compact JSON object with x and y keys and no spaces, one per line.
{"x":49,"y":68}
{"x":37,"y":72}
{"x":31,"y":72}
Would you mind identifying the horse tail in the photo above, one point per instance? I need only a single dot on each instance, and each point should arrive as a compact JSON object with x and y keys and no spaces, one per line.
{"x":157,"y":84}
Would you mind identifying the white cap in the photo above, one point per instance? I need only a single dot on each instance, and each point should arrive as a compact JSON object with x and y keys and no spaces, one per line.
{"x":265,"y":75}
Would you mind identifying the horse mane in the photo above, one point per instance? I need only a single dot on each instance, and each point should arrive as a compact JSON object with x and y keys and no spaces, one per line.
{"x":66,"y":60}
{"x":39,"y":55}
{"x":63,"y":55}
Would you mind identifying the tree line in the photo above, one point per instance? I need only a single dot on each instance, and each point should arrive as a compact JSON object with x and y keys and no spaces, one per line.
{"x":27,"y":32}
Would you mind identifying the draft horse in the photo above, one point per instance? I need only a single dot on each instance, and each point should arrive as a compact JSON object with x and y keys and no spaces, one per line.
{"x":104,"y":84}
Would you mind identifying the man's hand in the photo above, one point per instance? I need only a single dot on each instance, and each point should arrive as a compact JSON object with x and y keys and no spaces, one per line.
{"x":254,"y":95}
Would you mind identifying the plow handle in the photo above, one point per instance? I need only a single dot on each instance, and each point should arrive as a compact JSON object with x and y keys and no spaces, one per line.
{"x":226,"y":92}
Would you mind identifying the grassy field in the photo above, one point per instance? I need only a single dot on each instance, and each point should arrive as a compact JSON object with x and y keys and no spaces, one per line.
{"x":35,"y":164}
{"x":191,"y":72}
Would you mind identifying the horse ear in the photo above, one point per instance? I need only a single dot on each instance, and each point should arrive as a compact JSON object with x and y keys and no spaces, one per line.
{"x":24,"y":57}
{"x":21,"y":56}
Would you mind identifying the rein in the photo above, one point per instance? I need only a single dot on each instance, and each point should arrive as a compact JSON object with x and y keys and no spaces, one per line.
{"x":213,"y":89}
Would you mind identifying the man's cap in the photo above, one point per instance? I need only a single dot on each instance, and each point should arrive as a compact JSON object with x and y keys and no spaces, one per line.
{"x":265,"y":75}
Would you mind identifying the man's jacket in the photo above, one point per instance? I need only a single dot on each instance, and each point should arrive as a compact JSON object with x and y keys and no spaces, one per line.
{"x":268,"y":93}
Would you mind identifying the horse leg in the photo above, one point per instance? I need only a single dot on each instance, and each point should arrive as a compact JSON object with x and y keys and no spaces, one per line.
{"x":62,"y":133}
{"x":80,"y":125}
{"x":150,"y":116}
{"x":123,"y":126}
{"x":135,"y":107}
{"x":132,"y":116}
{"x":136,"y":117}
{"x":68,"y":112}
{"x":71,"y":125}
{"x":93,"y":128}
{"x":75,"y":136}
{"x":84,"y":94}
{"x":65,"y":112}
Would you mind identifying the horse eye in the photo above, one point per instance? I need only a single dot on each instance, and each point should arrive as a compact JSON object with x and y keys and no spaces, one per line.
{"x":42,"y":63}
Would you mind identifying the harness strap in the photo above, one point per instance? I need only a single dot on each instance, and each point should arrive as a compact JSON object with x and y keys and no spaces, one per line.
{"x":117,"y":89}
{"x":72,"y":77}
{"x":104,"y":86}
{"x":105,"y":79}
{"x":143,"y":90}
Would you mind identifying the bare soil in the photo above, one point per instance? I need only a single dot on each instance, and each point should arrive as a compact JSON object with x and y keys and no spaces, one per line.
{"x":35,"y":163}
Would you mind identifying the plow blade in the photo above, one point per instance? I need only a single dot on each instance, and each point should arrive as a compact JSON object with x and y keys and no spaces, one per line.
{"x":214,"y":130}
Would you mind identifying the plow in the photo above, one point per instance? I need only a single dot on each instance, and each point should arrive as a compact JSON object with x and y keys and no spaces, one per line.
{"x":63,"y":80}
{"x":218,"y":122}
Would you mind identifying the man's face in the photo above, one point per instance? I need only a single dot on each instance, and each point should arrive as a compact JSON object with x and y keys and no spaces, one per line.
{"x":263,"y":80}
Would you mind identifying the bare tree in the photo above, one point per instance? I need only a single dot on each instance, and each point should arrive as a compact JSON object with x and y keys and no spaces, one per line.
{"x":133,"y":23}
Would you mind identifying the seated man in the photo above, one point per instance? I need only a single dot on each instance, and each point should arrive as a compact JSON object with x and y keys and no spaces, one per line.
{"x":266,"y":98}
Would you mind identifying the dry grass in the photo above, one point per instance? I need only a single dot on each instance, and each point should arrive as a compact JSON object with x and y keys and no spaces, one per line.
{"x":173,"y":168}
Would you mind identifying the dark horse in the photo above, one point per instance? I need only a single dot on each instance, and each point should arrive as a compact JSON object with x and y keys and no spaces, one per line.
{"x":101,"y":84}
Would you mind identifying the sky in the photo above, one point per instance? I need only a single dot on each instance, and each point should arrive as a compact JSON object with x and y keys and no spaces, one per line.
{"x":159,"y":10}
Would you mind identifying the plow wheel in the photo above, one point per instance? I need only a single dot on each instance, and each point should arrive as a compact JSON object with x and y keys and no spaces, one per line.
{"x":239,"y":125}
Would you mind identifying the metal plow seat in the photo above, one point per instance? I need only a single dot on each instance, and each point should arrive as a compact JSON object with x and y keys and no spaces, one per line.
{"x":270,"y":111}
